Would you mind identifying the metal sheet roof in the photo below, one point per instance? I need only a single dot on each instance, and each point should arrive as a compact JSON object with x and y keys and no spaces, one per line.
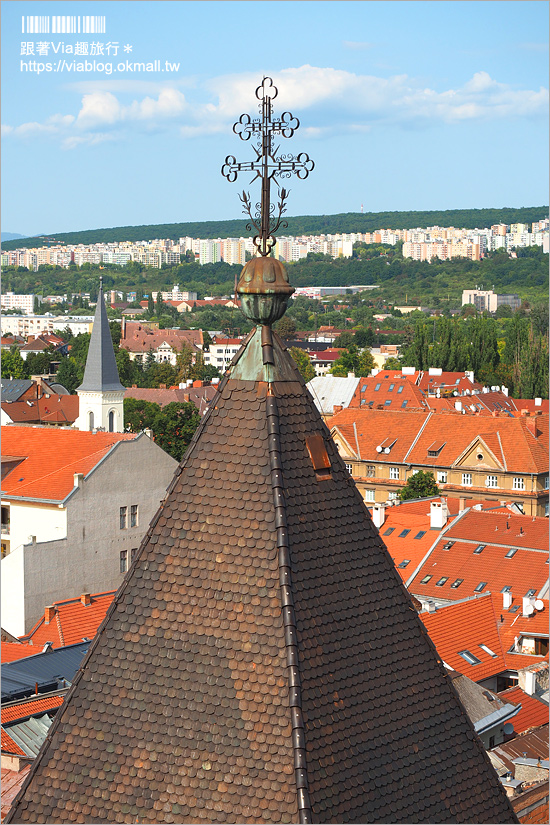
{"x":29,"y":735}
{"x":13,"y":388}
{"x":328,"y":390}
{"x":21,"y":677}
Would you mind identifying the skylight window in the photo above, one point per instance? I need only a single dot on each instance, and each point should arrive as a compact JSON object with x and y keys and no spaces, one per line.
{"x":469,"y":657}
{"x":442,"y":581}
{"x":400,"y":389}
{"x":404,"y":404}
{"x":514,"y":608}
{"x":511,"y":553}
{"x":456,"y":583}
{"x":448,"y":545}
{"x":507,"y":588}
{"x":389,"y":531}
{"x":420,"y":534}
{"x":377,"y":387}
{"x":531,"y":592}
{"x":479,"y":549}
{"x":387,"y":403}
{"x":390,"y":388}
{"x":425,"y":580}
{"x":404,"y":563}
{"x":481,"y":586}
{"x":404,"y":533}
{"x":489,"y":651}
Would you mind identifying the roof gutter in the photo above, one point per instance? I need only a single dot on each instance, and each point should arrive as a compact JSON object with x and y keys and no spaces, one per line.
{"x":495,"y":718}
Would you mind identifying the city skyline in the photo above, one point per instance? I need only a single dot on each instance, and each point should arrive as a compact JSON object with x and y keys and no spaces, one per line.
{"x":403,"y":106}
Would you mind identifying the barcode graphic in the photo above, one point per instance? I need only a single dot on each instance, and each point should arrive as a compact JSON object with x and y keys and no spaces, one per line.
{"x":63,"y":24}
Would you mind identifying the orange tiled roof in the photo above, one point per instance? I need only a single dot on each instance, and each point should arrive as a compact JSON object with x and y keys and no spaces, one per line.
{"x":393,"y":391}
{"x":505,"y":529}
{"x":52,"y":457}
{"x":525,"y":571}
{"x":533,"y":712}
{"x":13,"y":651}
{"x":73,"y":622}
{"x":407,"y":548}
{"x":11,"y":785}
{"x":9,"y":746}
{"x":521,"y":451}
{"x":55,"y":409}
{"x":140,"y":338}
{"x":464,"y":626}
{"x":24,"y":709}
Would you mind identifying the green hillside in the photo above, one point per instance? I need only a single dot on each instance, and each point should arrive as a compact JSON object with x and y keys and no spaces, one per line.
{"x":299,"y":225}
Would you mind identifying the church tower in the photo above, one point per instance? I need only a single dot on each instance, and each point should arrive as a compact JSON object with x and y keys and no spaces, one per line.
{"x":101,"y":394}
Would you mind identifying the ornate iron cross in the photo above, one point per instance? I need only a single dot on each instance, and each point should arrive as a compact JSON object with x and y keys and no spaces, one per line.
{"x":267,"y":166}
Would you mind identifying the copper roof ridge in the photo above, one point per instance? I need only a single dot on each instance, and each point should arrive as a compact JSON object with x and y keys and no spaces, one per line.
{"x":287,"y":605}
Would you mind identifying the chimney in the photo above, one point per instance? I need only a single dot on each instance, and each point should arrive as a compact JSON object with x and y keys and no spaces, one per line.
{"x":197,"y":384}
{"x":507,"y":599}
{"x":351,"y":375}
{"x":337,"y":408}
{"x":49,"y":613}
{"x":378,"y":515}
{"x":530,"y":685}
{"x":78,"y":479}
{"x":438,"y":515}
{"x":431,"y":607}
{"x":461,"y":504}
{"x":86,"y":598}
{"x":524,"y":412}
{"x":532,"y":427}
{"x":538,"y":402}
{"x":458,"y":406}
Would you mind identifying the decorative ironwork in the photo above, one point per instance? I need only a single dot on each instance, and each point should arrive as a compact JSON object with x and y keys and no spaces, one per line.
{"x":266,"y":217}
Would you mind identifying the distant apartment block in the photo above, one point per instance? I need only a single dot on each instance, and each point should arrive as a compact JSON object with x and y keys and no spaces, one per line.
{"x":25,"y":303}
{"x":489,"y":301}
{"x":25,"y":325}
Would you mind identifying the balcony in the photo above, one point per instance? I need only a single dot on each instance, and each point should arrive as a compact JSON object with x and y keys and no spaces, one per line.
{"x":5,"y":530}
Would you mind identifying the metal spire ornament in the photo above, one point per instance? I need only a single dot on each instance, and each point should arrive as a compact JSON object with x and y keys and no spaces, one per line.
{"x":263,"y":287}
{"x":268,"y":165}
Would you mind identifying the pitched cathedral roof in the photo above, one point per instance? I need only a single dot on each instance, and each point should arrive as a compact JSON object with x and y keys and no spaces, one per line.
{"x":262,"y":660}
{"x":101,"y":373}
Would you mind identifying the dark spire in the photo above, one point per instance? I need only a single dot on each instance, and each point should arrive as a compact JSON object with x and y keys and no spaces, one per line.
{"x":101,"y":373}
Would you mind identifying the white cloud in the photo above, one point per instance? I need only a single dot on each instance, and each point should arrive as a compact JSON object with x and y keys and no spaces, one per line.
{"x":335,"y":101}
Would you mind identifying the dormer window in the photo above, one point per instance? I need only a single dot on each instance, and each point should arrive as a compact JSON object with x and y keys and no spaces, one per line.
{"x":435,"y":448}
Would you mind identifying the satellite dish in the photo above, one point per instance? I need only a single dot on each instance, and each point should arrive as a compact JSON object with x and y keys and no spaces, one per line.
{"x":539,"y":604}
{"x":529,"y":610}
{"x":379,"y":449}
{"x":386,"y":449}
{"x":508,"y":728}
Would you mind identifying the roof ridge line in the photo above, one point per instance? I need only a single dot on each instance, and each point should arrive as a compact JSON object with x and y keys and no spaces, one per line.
{"x":287,"y":606}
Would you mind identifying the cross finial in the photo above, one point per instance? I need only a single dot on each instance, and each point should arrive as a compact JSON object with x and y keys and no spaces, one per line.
{"x":268,"y":166}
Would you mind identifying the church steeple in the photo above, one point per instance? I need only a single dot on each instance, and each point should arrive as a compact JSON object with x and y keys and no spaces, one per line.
{"x":101,"y":393}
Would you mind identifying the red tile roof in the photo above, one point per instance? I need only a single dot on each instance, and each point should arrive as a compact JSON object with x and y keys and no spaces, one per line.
{"x":533,"y":711}
{"x":73,"y":622}
{"x":13,"y":651}
{"x":9,"y":746}
{"x":375,"y":426}
{"x":140,"y":338}
{"x":11,"y":784}
{"x":52,"y":457}
{"x":393,"y":390}
{"x":199,"y":396}
{"x":22,"y":710}
{"x":506,"y":529}
{"x":407,"y":547}
{"x":61,"y":409}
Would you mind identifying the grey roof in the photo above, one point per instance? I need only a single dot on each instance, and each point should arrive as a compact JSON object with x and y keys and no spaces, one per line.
{"x":328,"y":390}
{"x":101,"y":373}
{"x":13,"y":388}
{"x":30,"y":734}
{"x":485,"y":708}
{"x":20,"y":678}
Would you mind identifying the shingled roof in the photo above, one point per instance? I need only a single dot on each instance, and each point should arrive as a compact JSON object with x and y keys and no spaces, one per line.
{"x":262,"y":660}
{"x":101,"y":372}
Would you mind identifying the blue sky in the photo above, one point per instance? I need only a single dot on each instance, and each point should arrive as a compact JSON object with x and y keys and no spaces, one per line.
{"x":403,"y":106}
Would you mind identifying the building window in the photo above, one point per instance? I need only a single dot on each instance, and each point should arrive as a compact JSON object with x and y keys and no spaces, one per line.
{"x":134,"y":515}
{"x":479,"y":549}
{"x":133,"y":553}
{"x":111,"y":421}
{"x":489,"y":651}
{"x":404,"y":404}
{"x":530,"y":593}
{"x":387,"y":403}
{"x":123,"y":561}
{"x":123,"y":517}
{"x":377,"y":387}
{"x":370,"y":471}
{"x":507,"y":588}
{"x":442,"y":581}
{"x":448,"y":545}
{"x":389,"y":531}
{"x":390,"y":388}
{"x":404,"y":563}
{"x":90,"y":421}
{"x":466,"y":479}
{"x":518,"y":483}
{"x":469,"y":657}
{"x":394,"y":472}
{"x":392,"y":496}
{"x":546,"y":483}
{"x":404,"y":533}
{"x":511,"y":553}
{"x":425,"y":580}
{"x":456,"y":584}
{"x":491,"y":481}
{"x":349,"y":468}
{"x":369,"y":495}
{"x":442,"y":477}
{"x":400,"y":389}
{"x":420,"y":534}
{"x":481,"y":586}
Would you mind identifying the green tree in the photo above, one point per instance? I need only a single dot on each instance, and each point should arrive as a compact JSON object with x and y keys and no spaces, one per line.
{"x":150,"y":305}
{"x":68,"y":374}
{"x":286,"y":327}
{"x":13,"y":365}
{"x":139,"y":415}
{"x":174,"y":427}
{"x":420,"y":485}
{"x":361,"y":364}
{"x":184,"y":361}
{"x":303,"y":362}
{"x":392,"y":363}
{"x":345,"y":339}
